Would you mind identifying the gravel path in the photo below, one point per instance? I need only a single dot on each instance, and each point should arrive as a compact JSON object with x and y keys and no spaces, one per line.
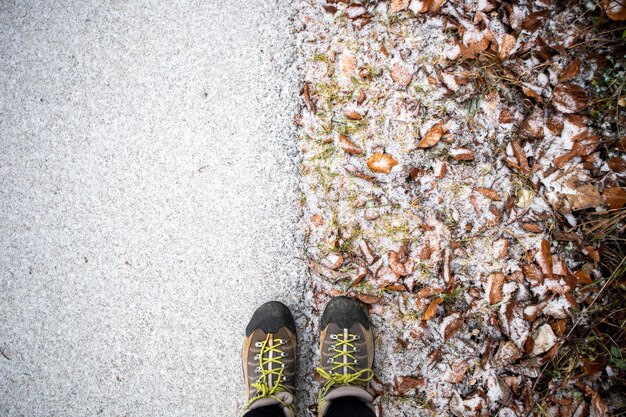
{"x":148,"y":201}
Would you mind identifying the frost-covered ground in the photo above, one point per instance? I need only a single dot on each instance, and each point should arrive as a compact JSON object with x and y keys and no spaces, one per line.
{"x":449,"y":150}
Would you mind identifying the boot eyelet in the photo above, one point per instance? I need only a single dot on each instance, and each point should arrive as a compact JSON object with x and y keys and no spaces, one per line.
{"x":330,"y":361}
{"x":333,"y":337}
{"x":356,"y":361}
{"x":258,"y":344}
{"x":332,"y":347}
{"x":284,"y":379}
{"x":283,"y":355}
{"x":257,"y":370}
{"x":257,"y":356}
{"x":356,"y":350}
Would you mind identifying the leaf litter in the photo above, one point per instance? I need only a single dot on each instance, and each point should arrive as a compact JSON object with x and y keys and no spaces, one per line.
{"x":451,"y":156}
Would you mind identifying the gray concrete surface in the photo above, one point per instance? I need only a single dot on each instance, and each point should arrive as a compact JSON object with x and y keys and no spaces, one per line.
{"x":147,"y":201}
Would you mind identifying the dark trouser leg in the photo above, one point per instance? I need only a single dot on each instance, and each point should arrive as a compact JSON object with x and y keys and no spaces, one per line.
{"x":269,"y":411}
{"x":349,"y":407}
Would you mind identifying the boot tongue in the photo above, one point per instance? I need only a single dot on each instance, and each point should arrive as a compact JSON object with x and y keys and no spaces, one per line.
{"x":284,"y":396}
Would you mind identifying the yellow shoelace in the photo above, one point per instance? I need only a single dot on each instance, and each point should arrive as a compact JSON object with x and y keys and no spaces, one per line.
{"x":352,"y":376}
{"x":262,"y":385}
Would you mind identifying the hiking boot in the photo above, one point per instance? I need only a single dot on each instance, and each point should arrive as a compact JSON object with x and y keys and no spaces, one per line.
{"x":269,"y":359}
{"x":346,"y":353}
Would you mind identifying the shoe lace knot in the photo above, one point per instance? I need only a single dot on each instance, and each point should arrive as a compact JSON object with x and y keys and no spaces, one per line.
{"x":344,"y":369}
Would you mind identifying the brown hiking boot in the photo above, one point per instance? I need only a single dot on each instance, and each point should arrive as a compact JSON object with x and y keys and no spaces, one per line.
{"x":269,"y":358}
{"x":346,"y":353}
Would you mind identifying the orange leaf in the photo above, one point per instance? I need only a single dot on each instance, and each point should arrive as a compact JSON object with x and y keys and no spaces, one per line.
{"x":431,"y":310}
{"x":380,"y":162}
{"x":615,"y":197}
{"x":490,"y":194}
{"x":497,"y":282}
{"x":570,"y":71}
{"x":545,"y":258}
{"x":348,"y":146}
{"x":352,"y":115}
{"x":432,"y":136}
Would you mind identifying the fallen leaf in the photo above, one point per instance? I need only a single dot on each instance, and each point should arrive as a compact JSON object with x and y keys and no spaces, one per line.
{"x":544,"y":338}
{"x":366,"y":298}
{"x":615,"y":197}
{"x":355,"y":11}
{"x":544,"y":258}
{"x":569,"y":98}
{"x":307,"y":99}
{"x":462,"y":154}
{"x":451,"y":325}
{"x":531,"y":227}
{"x":399,"y":5}
{"x":348,"y":64}
{"x":583,"y":277}
{"x":534,"y":20}
{"x":617,"y":164}
{"x":352,"y":115}
{"x":352,"y":170}
{"x":614,"y":9}
{"x":457,"y":372}
{"x":431,"y":310}
{"x":495,"y":292}
{"x":401,"y":75}
{"x":348,"y":146}
{"x":361,"y":98}
{"x":506,"y":46}
{"x":317,"y":220}
{"x":490,"y":194}
{"x":380,"y":162}
{"x":570,"y":71}
{"x":432,"y":136}
{"x":327,"y":273}
{"x":408,"y":383}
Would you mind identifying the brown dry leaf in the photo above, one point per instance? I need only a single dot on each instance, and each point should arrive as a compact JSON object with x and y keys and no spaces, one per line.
{"x":521,"y":157}
{"x":615,"y":197}
{"x":352,"y":115}
{"x":615,"y":9}
{"x":457,"y":372}
{"x":597,"y":402}
{"x":531,"y":227}
{"x":620,"y":145}
{"x":361,"y":98}
{"x":593,"y":253}
{"x":431,"y":310}
{"x":408,"y":383}
{"x":570,"y":71}
{"x":569,"y":98}
{"x":432,"y":136}
{"x":534,"y":20}
{"x":507,"y":116}
{"x":583,"y":277}
{"x":532,"y":126}
{"x":495,"y":293}
{"x":317,"y":220}
{"x":427,"y":292}
{"x":435,"y":5}
{"x":617,"y":164}
{"x":356,"y":11}
{"x":462,"y":154}
{"x":490,"y":194}
{"x":352,"y":170}
{"x":327,"y":273}
{"x":544,"y":258}
{"x":506,"y":46}
{"x":453,"y":324}
{"x":401,"y":75}
{"x":399,"y":5}
{"x":366,"y":298}
{"x":380,"y":162}
{"x":307,"y":98}
{"x":348,"y":146}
